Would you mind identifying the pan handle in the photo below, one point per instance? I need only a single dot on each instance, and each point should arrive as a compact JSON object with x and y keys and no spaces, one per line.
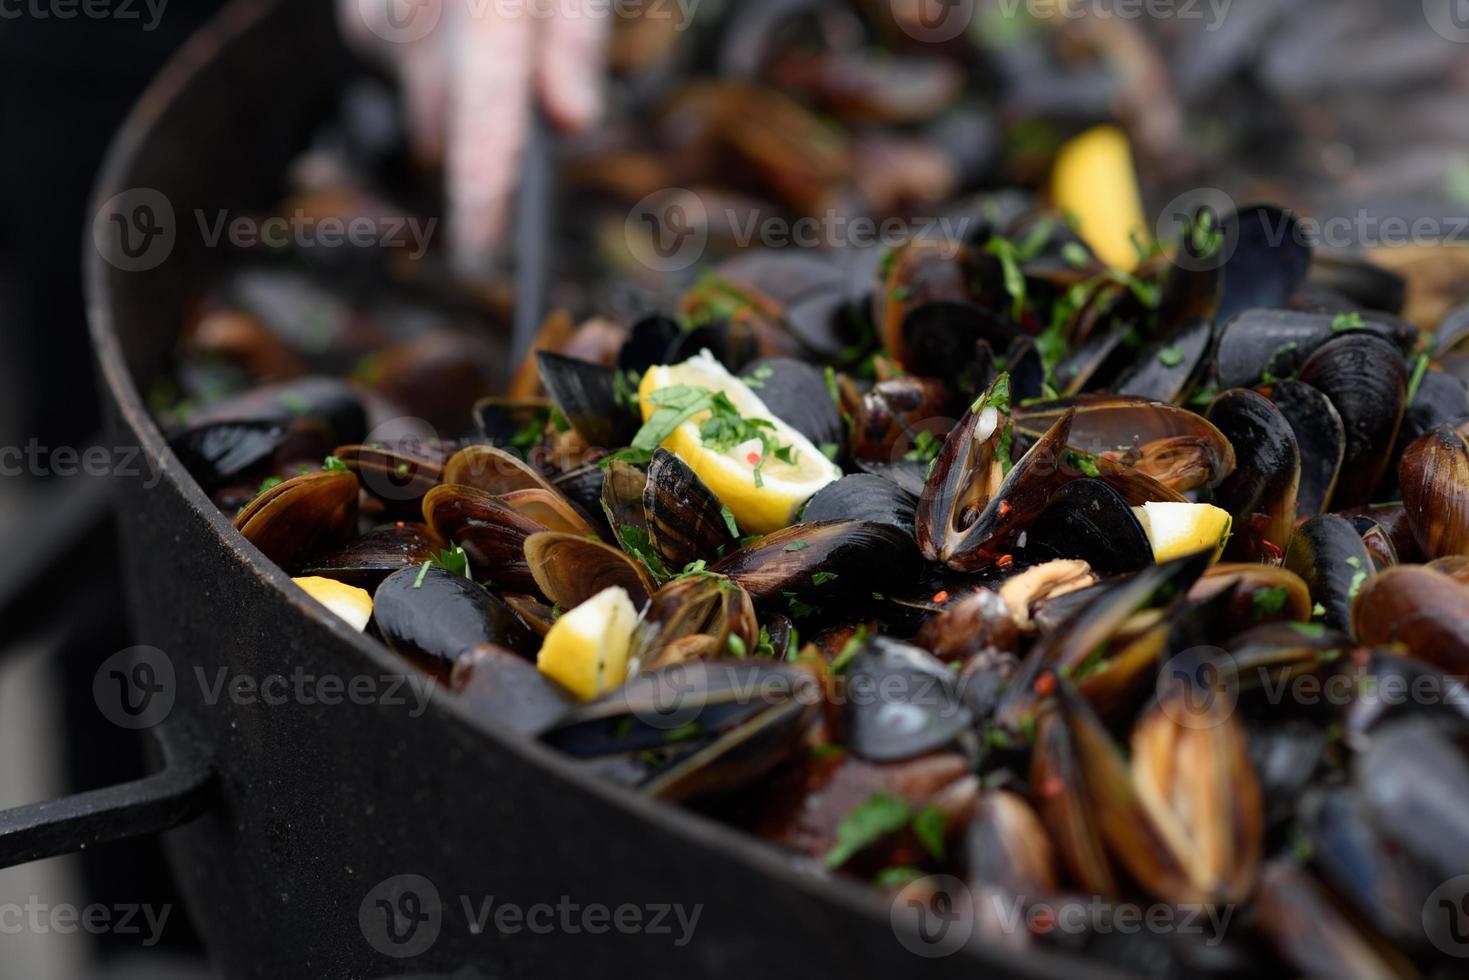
{"x":172,"y":797}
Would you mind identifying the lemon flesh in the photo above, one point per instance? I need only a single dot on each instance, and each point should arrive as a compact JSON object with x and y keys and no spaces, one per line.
{"x":1095,"y":181}
{"x":347,"y":601}
{"x":783,"y":488}
{"x":1176,"y":529}
{"x":586,"y":650}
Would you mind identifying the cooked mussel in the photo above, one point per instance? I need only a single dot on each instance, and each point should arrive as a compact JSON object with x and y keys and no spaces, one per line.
{"x":902,"y":702}
{"x":368,"y":559}
{"x":492,"y":534}
{"x":1330,"y":556}
{"x":1321,"y":438}
{"x":1425,"y":610}
{"x":570,"y":569}
{"x":1434,"y":477}
{"x":862,"y":497}
{"x":437,"y":618}
{"x":816,"y":561}
{"x":1365,"y":379}
{"x":295,"y":521}
{"x":698,"y":617}
{"x":1261,"y":493}
{"x":668,"y":516}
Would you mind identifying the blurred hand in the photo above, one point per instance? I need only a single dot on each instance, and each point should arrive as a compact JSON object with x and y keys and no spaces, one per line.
{"x":469,"y":71}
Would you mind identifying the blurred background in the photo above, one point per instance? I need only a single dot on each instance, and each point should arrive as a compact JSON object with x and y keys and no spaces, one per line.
{"x":1348,"y":109}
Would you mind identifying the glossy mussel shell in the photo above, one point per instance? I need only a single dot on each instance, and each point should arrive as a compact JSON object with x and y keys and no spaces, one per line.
{"x":1330,"y":556}
{"x":301,"y":518}
{"x":570,"y":569}
{"x":1366,"y":380}
{"x":1434,"y":477}
{"x":436,"y":618}
{"x":366,"y":560}
{"x":859,"y":556}
{"x":1261,"y":493}
{"x":491,"y":533}
{"x":1424,"y":610}
{"x":902,"y":702}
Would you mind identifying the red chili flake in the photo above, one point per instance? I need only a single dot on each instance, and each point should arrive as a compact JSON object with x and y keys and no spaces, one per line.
{"x":1005,"y":561}
{"x":402,"y":524}
{"x":753,"y":459}
{"x":1045,"y":684}
{"x":1005,"y":508}
{"x":939,"y":598}
{"x":1051,"y":788}
{"x":1273,"y":550}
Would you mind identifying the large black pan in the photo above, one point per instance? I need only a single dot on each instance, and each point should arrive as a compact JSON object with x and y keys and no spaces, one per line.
{"x":290,"y":817}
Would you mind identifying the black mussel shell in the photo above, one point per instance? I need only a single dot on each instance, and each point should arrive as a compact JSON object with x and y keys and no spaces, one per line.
{"x":813,"y":561}
{"x":907,"y":474}
{"x":686,"y":521}
{"x":1260,"y":345}
{"x":1366,"y":380}
{"x":436,"y":618}
{"x":583,"y":487}
{"x":732,"y":344}
{"x":505,"y":422}
{"x":1165,"y":370}
{"x":1321,"y":438}
{"x":1328,"y":554}
{"x":901,"y":702}
{"x":1261,"y":493}
{"x":1414,"y":780}
{"x":1369,"y":285}
{"x":221,"y":453}
{"x":648,"y":343}
{"x":491,"y":534}
{"x":1087,"y":519}
{"x":1285,"y":757}
{"x":508,"y":691}
{"x":588,"y":396}
{"x":1268,"y":261}
{"x":943,"y":339}
{"x":1027,"y":371}
{"x":329,"y":399}
{"x":862,"y":497}
{"x":366,"y":560}
{"x":796,"y":393}
{"x":1440,"y":398}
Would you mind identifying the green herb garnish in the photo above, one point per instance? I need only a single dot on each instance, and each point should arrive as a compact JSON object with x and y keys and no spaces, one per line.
{"x":878,"y":816}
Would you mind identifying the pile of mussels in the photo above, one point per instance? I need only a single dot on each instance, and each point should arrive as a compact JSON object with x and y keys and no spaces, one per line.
{"x":964,"y":656}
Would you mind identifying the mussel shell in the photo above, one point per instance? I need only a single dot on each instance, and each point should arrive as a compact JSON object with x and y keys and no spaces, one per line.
{"x":1088,"y":520}
{"x":368,"y":559}
{"x":942,"y":339}
{"x":219,"y":453}
{"x":1414,"y":778}
{"x":1312,"y":933}
{"x":891,"y":414}
{"x":1285,"y":757}
{"x":1425,"y":610}
{"x":706,"y":605}
{"x":1118,"y":425}
{"x":550,"y":510}
{"x":1249,"y":584}
{"x":796,"y":393}
{"x":1277,"y":343}
{"x":968,"y":625}
{"x":331,"y":400}
{"x":685,"y":519}
{"x":901,"y":702}
{"x":1329,"y":555}
{"x":1370,"y":285}
{"x":1266,"y":477}
{"x":436,"y":618}
{"x":648,"y":342}
{"x":492,"y":470}
{"x":1440,"y":398}
{"x":862,"y":555}
{"x":501,"y":421}
{"x":570,"y":569}
{"x":862,"y":497}
{"x":491,"y":534}
{"x":587,"y":395}
{"x":1008,"y":847}
{"x":1320,"y":437}
{"x":583,"y":487}
{"x":1269,"y":261}
{"x":1434,"y":477}
{"x":399,"y":476}
{"x":1165,"y":370}
{"x":1378,"y":542}
{"x":508,"y":691}
{"x":746,"y":716}
{"x":302,"y":518}
{"x":1365,"y":379}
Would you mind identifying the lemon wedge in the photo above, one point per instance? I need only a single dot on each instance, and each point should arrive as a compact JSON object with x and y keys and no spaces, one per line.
{"x":785,"y":481}
{"x":586,"y":651}
{"x":1094,"y":180}
{"x":1176,"y":530}
{"x":347,"y":601}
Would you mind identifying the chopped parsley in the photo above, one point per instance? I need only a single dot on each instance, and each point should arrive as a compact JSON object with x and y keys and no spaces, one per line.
{"x":1083,"y":463}
{"x":1075,"y":256}
{"x":334,"y":465}
{"x":269,"y":484}
{"x":762,"y":374}
{"x":850,"y":649}
{"x":925,"y":448}
{"x":639,"y":544}
{"x":876,"y":817}
{"x":1268,"y":602}
{"x":737,"y":646}
{"x":1170,"y":357}
{"x":1009,"y":257}
{"x":1420,"y":370}
{"x":1343,"y":322}
{"x":929,"y":827}
{"x":729,"y":521}
{"x":821,"y":578}
{"x":797,"y":545}
{"x":453,"y":560}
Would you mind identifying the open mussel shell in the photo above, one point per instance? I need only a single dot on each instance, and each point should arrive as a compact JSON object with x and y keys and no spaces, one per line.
{"x":1260,"y":594}
{"x":1086,"y":519}
{"x":1136,"y":430}
{"x":708,"y":607}
{"x":295,"y":521}
{"x":397,"y":475}
{"x":491,"y":534}
{"x":587,"y":395}
{"x":1268,"y":260}
{"x":920,"y":272}
{"x":368,"y":559}
{"x":507,"y":690}
{"x":890,"y":415}
{"x":492,"y":470}
{"x":1321,"y":438}
{"x":1261,"y":493}
{"x":1008,"y":847}
{"x":219,"y":453}
{"x":796,"y":393}
{"x":901,"y":702}
{"x":1434,"y":477}
{"x":1167,"y":369}
{"x":969,"y":624}
{"x":685,"y":520}
{"x":1379,"y":543}
{"x":712,"y":727}
{"x":1330,"y":556}
{"x":1365,"y":379}
{"x":436,"y":618}
{"x":550,"y":510}
{"x":1425,"y":610}
{"x":862,"y":497}
{"x":570,"y":569}
{"x":1101,"y":619}
{"x":821,"y":560}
